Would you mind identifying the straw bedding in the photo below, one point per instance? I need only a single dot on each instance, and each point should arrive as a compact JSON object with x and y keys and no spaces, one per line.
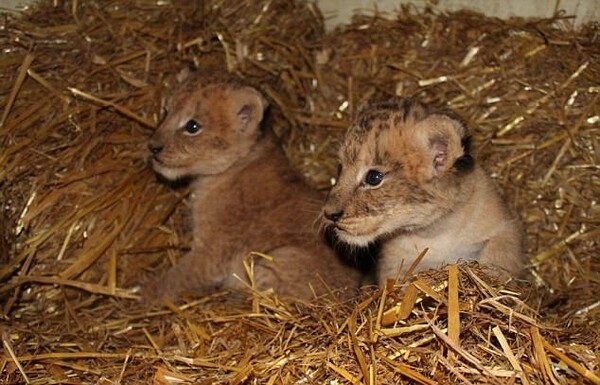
{"x":84,"y":222}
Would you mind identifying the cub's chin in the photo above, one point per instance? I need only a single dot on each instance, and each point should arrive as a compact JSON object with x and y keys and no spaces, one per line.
{"x":355,"y":240}
{"x":171,"y":174}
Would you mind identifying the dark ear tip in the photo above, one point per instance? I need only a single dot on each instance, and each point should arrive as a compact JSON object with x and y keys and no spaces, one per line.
{"x":466,"y":143}
{"x":465,"y":163}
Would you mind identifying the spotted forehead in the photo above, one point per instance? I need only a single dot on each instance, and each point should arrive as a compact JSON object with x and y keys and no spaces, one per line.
{"x":203,"y":85}
{"x":371,"y":124}
{"x":361,"y":139}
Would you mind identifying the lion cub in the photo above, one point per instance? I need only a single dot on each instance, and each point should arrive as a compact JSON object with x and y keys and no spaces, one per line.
{"x":244,"y":197}
{"x":408,"y":180}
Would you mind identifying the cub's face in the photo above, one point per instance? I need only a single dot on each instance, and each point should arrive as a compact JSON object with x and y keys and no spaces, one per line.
{"x":207,"y":128}
{"x":400,"y":169}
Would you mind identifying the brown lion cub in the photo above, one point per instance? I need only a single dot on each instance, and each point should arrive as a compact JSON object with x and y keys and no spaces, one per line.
{"x":408,"y":181}
{"x":244,"y":197}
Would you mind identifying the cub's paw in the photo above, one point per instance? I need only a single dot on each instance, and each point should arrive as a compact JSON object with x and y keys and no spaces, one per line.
{"x":154,"y":293}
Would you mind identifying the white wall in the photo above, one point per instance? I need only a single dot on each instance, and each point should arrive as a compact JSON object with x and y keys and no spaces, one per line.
{"x":340,"y":11}
{"x":13,"y":4}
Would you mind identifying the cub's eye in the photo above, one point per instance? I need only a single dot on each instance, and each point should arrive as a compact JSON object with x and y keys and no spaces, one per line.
{"x":374,"y":177}
{"x":192,"y":128}
{"x":339,"y":170}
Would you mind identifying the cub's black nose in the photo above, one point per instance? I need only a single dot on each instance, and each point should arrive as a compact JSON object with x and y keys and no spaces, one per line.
{"x":155,"y":148}
{"x":334,"y":216}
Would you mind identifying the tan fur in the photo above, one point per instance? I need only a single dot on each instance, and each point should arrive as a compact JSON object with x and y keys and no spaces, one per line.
{"x":432,"y":195}
{"x":244,"y":198}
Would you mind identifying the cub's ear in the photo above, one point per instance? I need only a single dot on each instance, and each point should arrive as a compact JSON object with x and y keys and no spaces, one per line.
{"x":449,"y":143}
{"x":249,"y":106}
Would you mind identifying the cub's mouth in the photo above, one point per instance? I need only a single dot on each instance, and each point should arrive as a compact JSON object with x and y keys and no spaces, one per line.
{"x":163,"y":162}
{"x":352,"y":236}
{"x":158,"y":164}
{"x":169,"y":172}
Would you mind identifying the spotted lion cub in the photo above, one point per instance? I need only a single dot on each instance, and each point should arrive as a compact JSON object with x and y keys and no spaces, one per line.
{"x":244,"y":197}
{"x":408,"y":181}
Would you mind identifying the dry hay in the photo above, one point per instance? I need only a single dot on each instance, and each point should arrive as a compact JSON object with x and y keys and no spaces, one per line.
{"x":84,"y":221}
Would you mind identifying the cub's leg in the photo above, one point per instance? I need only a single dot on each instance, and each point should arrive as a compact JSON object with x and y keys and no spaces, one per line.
{"x":192,"y":273}
{"x":504,"y":251}
{"x":293,"y":272}
{"x":396,"y":258}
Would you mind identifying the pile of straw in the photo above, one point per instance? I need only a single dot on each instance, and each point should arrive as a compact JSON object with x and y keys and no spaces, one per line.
{"x":84,"y":222}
